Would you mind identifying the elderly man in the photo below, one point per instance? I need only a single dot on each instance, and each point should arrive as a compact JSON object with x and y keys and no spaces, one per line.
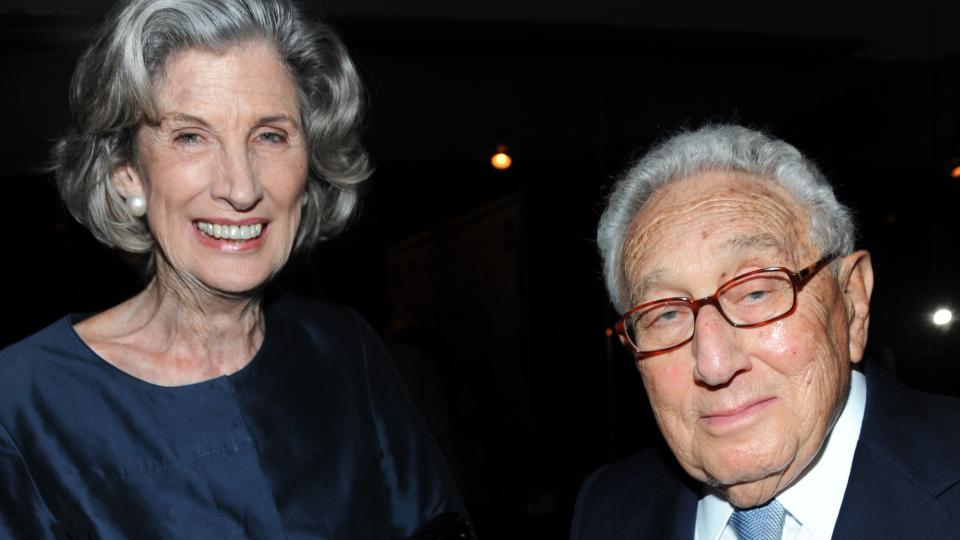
{"x":746,"y":308}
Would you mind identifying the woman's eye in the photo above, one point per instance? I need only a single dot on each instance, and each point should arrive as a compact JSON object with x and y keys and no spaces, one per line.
{"x":272,"y":137}
{"x":187,"y":138}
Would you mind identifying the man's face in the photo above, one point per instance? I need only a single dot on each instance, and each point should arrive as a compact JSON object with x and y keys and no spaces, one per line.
{"x":745,"y":409}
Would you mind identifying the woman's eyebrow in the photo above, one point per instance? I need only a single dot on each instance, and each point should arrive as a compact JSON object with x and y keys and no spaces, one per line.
{"x":278,"y":118}
{"x":189,"y":118}
{"x":183,"y":117}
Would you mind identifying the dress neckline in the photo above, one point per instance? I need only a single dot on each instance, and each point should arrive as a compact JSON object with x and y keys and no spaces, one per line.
{"x":74,"y":318}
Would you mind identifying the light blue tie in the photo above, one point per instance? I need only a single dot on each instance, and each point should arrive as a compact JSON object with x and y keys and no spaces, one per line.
{"x":760,"y":523}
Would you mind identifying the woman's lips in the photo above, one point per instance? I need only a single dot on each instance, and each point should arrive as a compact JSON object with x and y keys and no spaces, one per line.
{"x":229,"y":235}
{"x":737,"y":417}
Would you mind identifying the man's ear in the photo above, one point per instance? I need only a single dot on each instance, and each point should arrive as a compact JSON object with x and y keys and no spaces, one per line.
{"x":856,"y":285}
{"x":127,"y":180}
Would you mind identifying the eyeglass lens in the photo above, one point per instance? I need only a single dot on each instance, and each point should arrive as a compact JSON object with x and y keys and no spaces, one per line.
{"x":753,"y":299}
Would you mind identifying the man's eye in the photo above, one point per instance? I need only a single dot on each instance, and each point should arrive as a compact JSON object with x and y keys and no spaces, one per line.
{"x":754,"y":296}
{"x":662,"y":317}
{"x":668,"y":316}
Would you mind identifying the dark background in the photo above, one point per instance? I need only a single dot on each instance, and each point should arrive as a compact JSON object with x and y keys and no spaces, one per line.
{"x":487,"y":283}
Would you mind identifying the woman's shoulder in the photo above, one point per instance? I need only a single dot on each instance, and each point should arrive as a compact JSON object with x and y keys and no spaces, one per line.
{"x":319,"y":318}
{"x":331,"y":334}
{"x":38,"y":361}
{"x":32,"y":352}
{"x":293,"y":305}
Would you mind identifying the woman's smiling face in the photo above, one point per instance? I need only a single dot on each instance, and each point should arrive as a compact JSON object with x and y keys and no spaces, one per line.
{"x":223,"y":172}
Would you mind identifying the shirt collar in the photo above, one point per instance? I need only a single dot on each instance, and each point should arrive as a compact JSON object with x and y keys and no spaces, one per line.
{"x":815,"y":499}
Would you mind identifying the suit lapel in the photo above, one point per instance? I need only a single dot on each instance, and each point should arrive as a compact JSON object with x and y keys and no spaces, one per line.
{"x":904,"y":460}
{"x":671,"y":513}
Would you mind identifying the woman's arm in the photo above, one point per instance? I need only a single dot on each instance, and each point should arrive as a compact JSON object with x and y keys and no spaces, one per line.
{"x":23,"y":513}
{"x":419,"y":484}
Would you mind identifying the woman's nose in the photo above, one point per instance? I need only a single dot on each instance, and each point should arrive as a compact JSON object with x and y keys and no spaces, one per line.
{"x":239,"y":184}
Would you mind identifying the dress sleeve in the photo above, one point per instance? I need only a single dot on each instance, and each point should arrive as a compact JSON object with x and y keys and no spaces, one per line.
{"x":419,"y":485}
{"x":23,"y":514}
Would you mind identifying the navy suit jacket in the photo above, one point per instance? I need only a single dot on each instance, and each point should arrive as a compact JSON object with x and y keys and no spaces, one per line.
{"x":904,"y":482}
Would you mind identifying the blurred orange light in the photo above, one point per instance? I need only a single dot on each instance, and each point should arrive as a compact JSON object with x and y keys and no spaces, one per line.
{"x":955,"y":173}
{"x":501,"y":161}
{"x":609,"y":332}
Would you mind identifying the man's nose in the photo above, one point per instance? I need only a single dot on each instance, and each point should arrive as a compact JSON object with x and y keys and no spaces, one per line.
{"x":238,"y":184}
{"x":718,"y":356}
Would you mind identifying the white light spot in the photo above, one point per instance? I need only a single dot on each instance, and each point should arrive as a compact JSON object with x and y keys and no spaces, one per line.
{"x":942,"y":316}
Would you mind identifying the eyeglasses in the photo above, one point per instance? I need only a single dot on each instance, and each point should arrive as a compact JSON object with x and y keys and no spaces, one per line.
{"x":747,"y":301}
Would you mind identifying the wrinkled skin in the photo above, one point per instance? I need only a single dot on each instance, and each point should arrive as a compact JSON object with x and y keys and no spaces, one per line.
{"x":746,"y":410}
{"x":228,"y":146}
{"x":227,"y":149}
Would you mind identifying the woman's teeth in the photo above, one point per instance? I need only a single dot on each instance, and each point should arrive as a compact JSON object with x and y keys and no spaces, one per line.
{"x":230,"y":232}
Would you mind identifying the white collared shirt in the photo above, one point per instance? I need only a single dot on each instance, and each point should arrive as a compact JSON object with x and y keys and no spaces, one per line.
{"x":813,"y":502}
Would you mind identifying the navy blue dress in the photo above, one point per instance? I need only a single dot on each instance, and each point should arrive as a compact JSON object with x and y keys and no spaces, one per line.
{"x":315,"y":438}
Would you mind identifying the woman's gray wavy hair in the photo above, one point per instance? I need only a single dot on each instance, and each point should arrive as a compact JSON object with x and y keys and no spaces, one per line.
{"x":112,"y":94}
{"x":718,"y":148}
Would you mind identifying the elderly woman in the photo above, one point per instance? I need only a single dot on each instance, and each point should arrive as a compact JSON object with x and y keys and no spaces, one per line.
{"x":215,"y":137}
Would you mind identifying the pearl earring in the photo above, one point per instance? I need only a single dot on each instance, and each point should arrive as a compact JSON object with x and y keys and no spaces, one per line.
{"x":137,"y":205}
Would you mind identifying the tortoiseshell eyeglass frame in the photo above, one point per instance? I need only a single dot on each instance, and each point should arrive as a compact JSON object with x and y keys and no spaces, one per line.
{"x":797,"y":279}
